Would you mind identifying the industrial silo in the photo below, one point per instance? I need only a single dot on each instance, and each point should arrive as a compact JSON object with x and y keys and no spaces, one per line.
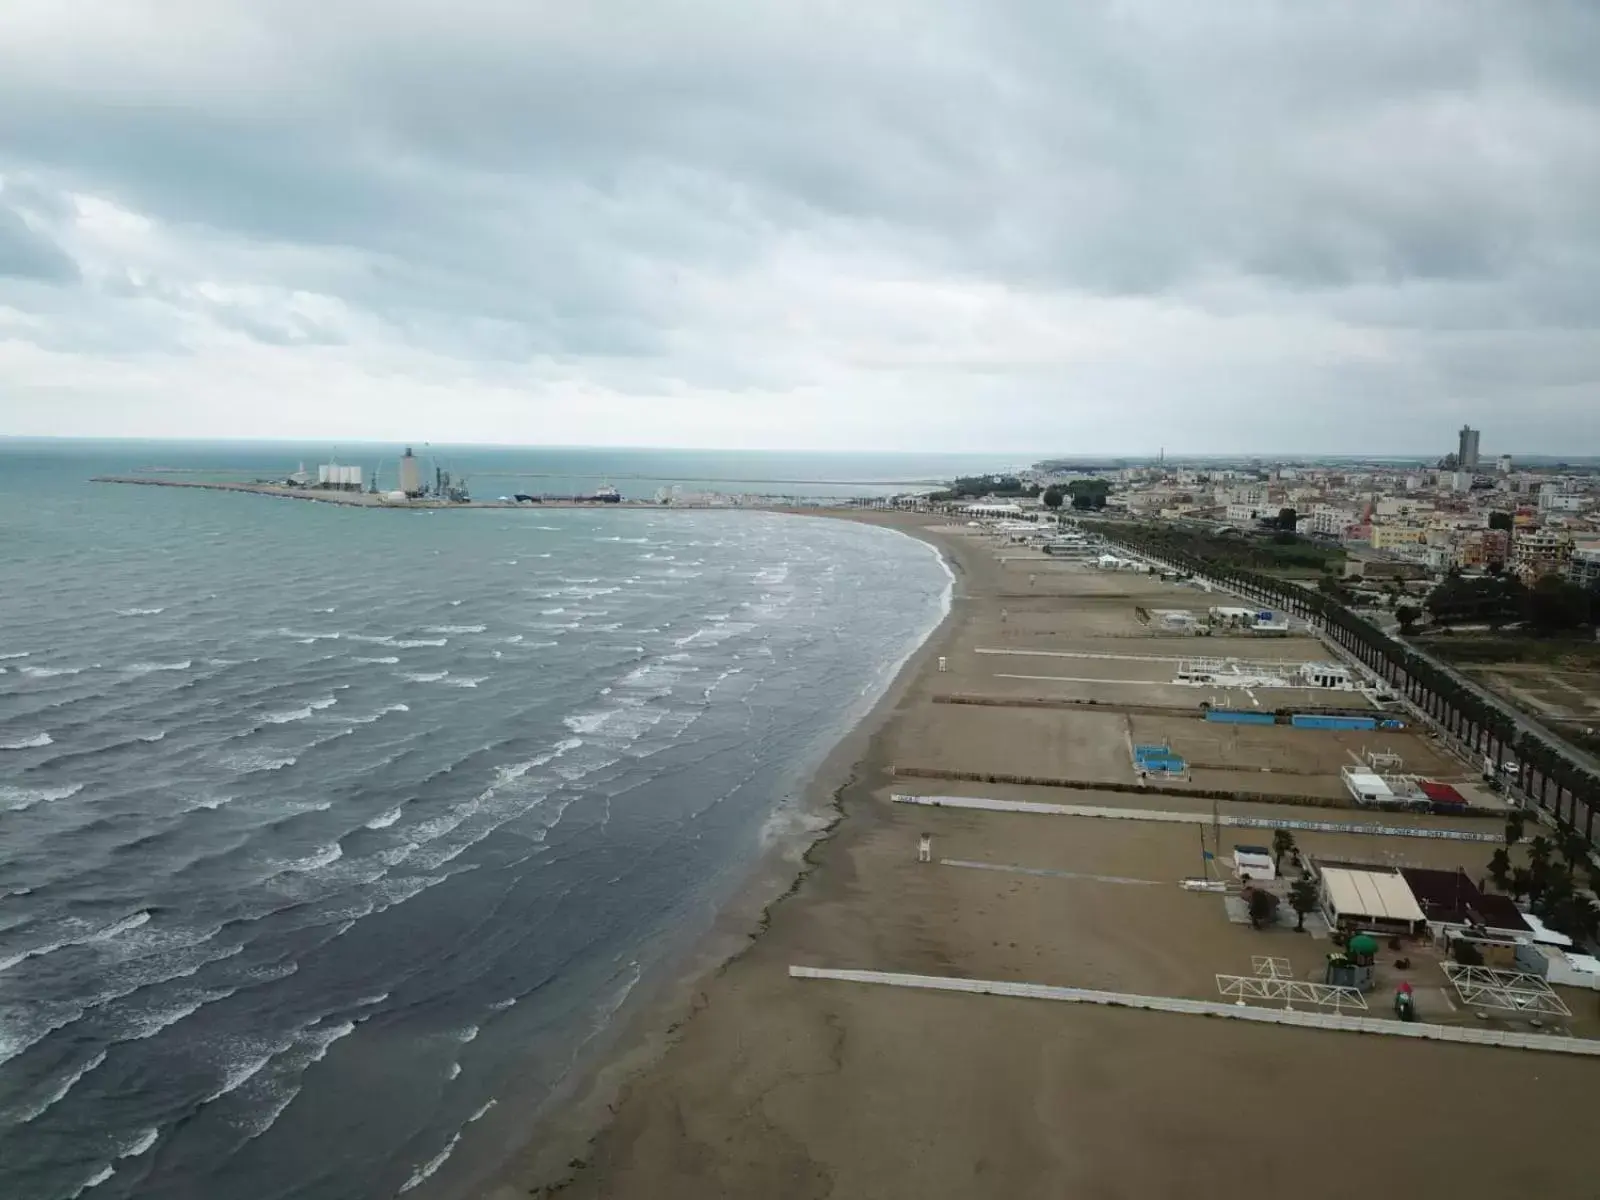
{"x":410,"y":474}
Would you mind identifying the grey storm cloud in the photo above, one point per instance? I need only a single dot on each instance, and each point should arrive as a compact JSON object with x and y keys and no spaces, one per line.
{"x":28,"y":254}
{"x":915,"y":208}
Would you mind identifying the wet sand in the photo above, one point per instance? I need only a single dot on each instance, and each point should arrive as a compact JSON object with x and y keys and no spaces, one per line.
{"x":775,"y":1087}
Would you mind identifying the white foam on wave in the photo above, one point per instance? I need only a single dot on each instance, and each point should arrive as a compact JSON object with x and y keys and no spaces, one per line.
{"x":132,"y":921}
{"x":16,"y":799}
{"x":467,"y":1034}
{"x":453,"y":1072}
{"x":389,"y":660}
{"x":377,"y":716}
{"x":454,"y":628}
{"x":37,"y":742}
{"x":149,"y":738}
{"x":208,"y":802}
{"x":140,"y":612}
{"x":61,"y":1089}
{"x":49,"y":672}
{"x":414,"y":643}
{"x":465,"y":681}
{"x":482,"y":1112}
{"x":14,"y":654}
{"x":248,"y":764}
{"x":426,"y":1170}
{"x":513,"y":639}
{"x":325,"y":857}
{"x":384,"y":820}
{"x":95,"y":1180}
{"x":423,"y":676}
{"x":300,"y":714}
{"x":147,"y":668}
{"x":299,"y":636}
{"x":379,"y":639}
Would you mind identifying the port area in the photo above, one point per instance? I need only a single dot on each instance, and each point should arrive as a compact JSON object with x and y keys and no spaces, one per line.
{"x":358,"y":499}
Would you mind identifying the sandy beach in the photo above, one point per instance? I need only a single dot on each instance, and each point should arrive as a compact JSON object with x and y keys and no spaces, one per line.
{"x":768,"y":1086}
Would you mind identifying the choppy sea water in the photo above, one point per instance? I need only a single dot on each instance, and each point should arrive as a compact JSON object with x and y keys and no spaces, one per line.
{"x":323,"y":832}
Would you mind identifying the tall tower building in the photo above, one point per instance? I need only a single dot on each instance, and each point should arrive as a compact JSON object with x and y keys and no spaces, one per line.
{"x":410,"y":474}
{"x":1467,"y":449}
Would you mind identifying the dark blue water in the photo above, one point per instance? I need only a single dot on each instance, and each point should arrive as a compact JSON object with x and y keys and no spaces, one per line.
{"x":324,"y":830}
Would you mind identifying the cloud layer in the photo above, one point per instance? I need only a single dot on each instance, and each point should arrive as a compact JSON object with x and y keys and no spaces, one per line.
{"x":1020,"y":226}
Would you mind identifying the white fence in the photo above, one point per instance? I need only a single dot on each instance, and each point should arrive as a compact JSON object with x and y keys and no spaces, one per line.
{"x":1209,"y":1008}
{"x":1193,"y":818}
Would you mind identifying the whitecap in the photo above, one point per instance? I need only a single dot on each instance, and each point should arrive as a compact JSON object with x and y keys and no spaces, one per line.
{"x":327,"y":856}
{"x":140,"y":612}
{"x":299,"y":636}
{"x":36,"y":742}
{"x":465,"y":681}
{"x":384,"y":820}
{"x":159,"y":735}
{"x":413,"y":643}
{"x":208,"y":802}
{"x":146,"y":668}
{"x":466,"y":1035}
{"x":14,"y":654}
{"x":132,"y":921}
{"x":481,"y":1112}
{"x":424,"y":676}
{"x":382,"y":639}
{"x":388,"y":708}
{"x":453,"y":1072}
{"x":240,"y":1073}
{"x":95,"y":1180}
{"x":422,"y":1173}
{"x":455,"y":629}
{"x":246,"y":764}
{"x":513,"y":639}
{"x":49,"y":672}
{"x":389,"y":661}
{"x":15,"y":799}
{"x":61,"y":1089}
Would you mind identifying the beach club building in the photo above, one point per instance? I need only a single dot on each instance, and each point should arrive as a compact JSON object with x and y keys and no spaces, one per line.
{"x":1354,"y":896}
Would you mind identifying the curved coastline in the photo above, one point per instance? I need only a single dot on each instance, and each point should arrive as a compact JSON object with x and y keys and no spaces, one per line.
{"x":569,"y":1119}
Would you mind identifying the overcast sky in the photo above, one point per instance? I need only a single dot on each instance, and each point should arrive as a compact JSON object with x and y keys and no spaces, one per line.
{"x":876,"y":224}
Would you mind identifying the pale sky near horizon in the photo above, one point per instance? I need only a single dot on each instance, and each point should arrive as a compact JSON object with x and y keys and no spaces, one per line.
{"x":1096,"y":228}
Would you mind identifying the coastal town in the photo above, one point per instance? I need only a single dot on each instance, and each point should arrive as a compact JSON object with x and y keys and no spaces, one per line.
{"x":1170,"y":758}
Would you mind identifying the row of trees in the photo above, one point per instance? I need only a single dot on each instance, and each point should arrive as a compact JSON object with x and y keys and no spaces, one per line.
{"x":972,"y":487}
{"x":1556,"y":783}
{"x":1551,"y":885}
{"x":1234,"y":550}
{"x":1552,"y":605}
{"x":1085,"y":494}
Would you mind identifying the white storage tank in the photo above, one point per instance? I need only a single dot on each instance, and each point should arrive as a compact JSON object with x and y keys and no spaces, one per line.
{"x":410,"y":474}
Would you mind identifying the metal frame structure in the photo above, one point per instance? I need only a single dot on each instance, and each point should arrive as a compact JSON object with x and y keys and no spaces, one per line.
{"x":1512,"y":991}
{"x":1274,"y":980}
{"x":1258,"y":987}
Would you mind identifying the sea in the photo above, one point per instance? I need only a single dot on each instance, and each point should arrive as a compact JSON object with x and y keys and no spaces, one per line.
{"x":333,"y":841}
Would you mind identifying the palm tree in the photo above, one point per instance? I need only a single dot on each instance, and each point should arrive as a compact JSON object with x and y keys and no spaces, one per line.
{"x":1303,"y":899}
{"x":1521,"y":883}
{"x":1516,"y":822}
{"x":1500,"y":869}
{"x":1282,"y":843}
{"x":1540,"y":850}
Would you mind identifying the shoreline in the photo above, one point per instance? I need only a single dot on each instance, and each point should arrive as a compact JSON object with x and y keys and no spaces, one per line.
{"x":766,"y":1084}
{"x":578,"y":1111}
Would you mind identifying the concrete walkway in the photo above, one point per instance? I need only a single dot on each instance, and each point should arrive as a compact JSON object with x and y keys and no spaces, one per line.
{"x":1193,"y":818}
{"x":1210,"y":1008}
